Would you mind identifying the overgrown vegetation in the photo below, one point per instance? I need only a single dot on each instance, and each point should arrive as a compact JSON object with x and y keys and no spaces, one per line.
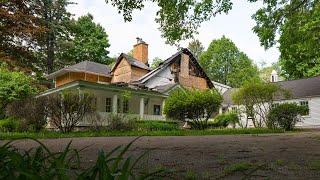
{"x":196,"y":106}
{"x":285,"y":116}
{"x":257,"y":97}
{"x":226,"y":119}
{"x":42,"y":163}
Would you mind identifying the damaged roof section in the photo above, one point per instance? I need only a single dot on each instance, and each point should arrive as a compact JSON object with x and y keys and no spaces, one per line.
{"x":132,"y":61}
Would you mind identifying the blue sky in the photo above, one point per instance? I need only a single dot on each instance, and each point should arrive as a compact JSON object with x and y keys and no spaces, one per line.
{"x":236,"y":25}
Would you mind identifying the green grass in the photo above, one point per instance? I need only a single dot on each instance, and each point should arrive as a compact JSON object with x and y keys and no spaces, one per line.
{"x":50,"y":134}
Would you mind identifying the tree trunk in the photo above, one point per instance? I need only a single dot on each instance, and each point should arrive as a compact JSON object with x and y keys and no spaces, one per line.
{"x":50,"y":52}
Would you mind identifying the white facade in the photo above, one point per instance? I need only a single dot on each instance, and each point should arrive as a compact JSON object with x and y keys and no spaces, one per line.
{"x":164,"y":77}
{"x":220,"y":87}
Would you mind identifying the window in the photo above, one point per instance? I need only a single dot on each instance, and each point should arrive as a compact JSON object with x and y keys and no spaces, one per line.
{"x":108,"y":104}
{"x":125,"y":106}
{"x":234,"y":109}
{"x":156,"y":110}
{"x":306,"y":104}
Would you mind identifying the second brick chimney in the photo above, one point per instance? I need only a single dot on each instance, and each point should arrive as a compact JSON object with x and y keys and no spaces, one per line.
{"x":140,"y":51}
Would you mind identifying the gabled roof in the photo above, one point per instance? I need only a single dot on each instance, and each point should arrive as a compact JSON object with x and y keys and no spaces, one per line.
{"x":169,"y":61}
{"x":84,"y":66}
{"x":300,"y":88}
{"x":132,"y":61}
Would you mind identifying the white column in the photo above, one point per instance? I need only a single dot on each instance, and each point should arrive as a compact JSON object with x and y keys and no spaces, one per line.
{"x":141,"y":110}
{"x":115,"y":103}
{"x":220,"y":110}
{"x":162,"y":107}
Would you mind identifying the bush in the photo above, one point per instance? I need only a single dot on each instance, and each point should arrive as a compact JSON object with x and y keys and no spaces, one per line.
{"x":226,"y":119}
{"x":194,"y":105}
{"x":121,"y":122}
{"x":285,"y":116}
{"x":68,"y":108}
{"x":32,"y":111}
{"x":9,"y":124}
{"x":152,"y":125}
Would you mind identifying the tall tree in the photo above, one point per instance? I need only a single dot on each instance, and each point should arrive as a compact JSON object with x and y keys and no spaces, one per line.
{"x":89,"y":42}
{"x":225,"y":63}
{"x":56,"y":19}
{"x":196,"y":47}
{"x":297,"y":22}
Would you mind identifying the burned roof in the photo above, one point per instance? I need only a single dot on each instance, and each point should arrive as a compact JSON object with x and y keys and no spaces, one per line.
{"x":169,"y":61}
{"x":84,"y":66}
{"x":132,"y":61}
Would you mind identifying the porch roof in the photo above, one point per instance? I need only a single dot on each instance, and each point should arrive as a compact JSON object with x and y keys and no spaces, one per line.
{"x":111,"y":87}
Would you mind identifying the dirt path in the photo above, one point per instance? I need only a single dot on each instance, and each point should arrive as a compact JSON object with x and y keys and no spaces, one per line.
{"x":280,"y":156}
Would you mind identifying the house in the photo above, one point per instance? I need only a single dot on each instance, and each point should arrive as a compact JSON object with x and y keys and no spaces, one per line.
{"x":148,"y":88}
{"x":304,"y":92}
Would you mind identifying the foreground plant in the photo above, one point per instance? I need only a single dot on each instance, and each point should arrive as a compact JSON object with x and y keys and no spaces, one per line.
{"x":41,"y":163}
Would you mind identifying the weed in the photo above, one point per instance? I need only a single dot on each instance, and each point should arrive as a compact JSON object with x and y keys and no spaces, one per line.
{"x":315,"y":165}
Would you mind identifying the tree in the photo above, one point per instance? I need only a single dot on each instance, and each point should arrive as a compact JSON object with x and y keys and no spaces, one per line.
{"x":224,"y":63}
{"x":89,"y":42}
{"x":297,"y":23}
{"x":196,"y":105}
{"x":56,"y":20}
{"x":178,"y":20}
{"x":68,"y":108}
{"x":257,"y":97}
{"x":20,"y":29}
{"x":156,"y":62}
{"x":14,"y":86}
{"x":196,"y":48}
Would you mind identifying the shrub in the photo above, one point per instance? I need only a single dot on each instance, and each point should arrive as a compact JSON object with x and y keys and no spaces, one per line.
{"x":194,"y":105}
{"x":152,"y":125}
{"x":285,"y":116}
{"x":121,"y":122}
{"x":226,"y":119}
{"x":9,"y":124}
{"x":14,"y":86}
{"x":68,"y":108}
{"x":32,"y":111}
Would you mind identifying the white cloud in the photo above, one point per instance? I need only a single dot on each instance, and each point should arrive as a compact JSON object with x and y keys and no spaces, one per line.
{"x":237,"y":25}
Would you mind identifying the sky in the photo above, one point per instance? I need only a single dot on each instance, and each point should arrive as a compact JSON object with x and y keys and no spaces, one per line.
{"x":236,"y":25}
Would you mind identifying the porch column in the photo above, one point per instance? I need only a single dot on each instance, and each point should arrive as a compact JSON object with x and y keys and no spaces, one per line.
{"x":220,"y":110}
{"x":162,"y":107}
{"x":141,"y":110}
{"x":114,"y":103}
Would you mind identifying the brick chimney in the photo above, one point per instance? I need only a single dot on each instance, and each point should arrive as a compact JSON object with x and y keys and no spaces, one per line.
{"x":140,"y":51}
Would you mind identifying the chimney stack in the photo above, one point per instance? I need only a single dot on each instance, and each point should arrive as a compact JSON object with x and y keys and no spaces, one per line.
{"x":140,"y":51}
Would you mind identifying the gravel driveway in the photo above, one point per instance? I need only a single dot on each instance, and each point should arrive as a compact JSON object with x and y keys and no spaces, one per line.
{"x":277,"y":156}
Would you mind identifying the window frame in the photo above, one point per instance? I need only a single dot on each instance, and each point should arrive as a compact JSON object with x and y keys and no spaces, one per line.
{"x":156,"y":106}
{"x":108,"y":104}
{"x":305,"y":103}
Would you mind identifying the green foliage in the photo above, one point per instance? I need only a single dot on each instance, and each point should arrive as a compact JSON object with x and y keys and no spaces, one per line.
{"x":41,"y":163}
{"x":178,"y":20}
{"x":257,"y":97}
{"x":89,"y":42}
{"x":196,"y":47}
{"x":14,"y":86}
{"x":265,"y":72}
{"x":225,"y":63}
{"x":297,"y":23}
{"x":9,"y":124}
{"x":226,"y":119}
{"x":285,"y":116}
{"x":193,"y":104}
{"x":156,"y":62}
{"x":150,"y":125}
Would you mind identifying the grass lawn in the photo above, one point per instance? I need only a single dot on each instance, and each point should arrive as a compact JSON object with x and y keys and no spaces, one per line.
{"x":50,"y":134}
